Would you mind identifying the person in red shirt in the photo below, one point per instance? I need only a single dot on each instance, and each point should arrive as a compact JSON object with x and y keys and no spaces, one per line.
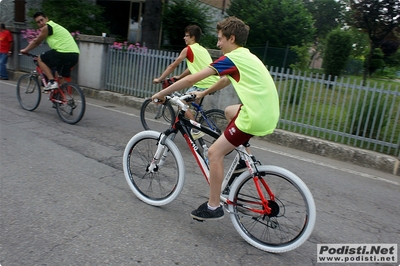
{"x":6,"y":46}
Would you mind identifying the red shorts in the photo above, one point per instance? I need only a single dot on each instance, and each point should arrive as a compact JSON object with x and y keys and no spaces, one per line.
{"x":234,"y":135}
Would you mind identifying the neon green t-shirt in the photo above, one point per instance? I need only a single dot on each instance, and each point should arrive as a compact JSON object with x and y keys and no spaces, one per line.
{"x":60,"y":39}
{"x":255,"y":87}
{"x":197,"y":59}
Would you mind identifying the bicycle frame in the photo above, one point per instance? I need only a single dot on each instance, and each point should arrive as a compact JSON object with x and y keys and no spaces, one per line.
{"x":183,"y":125}
{"x":39,"y":71}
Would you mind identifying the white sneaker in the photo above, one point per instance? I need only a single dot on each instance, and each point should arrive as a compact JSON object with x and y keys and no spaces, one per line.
{"x":51,"y":86}
{"x":196,"y":134}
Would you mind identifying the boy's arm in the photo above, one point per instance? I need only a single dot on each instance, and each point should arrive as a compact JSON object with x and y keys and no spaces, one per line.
{"x":220,"y":84}
{"x":172,"y":66}
{"x":184,"y":74}
{"x":186,"y":82}
{"x":37,"y":41}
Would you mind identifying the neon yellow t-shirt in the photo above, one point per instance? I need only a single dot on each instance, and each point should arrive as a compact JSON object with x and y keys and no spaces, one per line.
{"x":197,"y":59}
{"x":255,"y":87}
{"x":60,"y":39}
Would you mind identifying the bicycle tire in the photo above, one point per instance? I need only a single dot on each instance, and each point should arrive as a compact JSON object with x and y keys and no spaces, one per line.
{"x":150,"y":111}
{"x":215,"y":119}
{"x":163,"y":185}
{"x":71,"y":104}
{"x":28,"y":92}
{"x":294,"y":214}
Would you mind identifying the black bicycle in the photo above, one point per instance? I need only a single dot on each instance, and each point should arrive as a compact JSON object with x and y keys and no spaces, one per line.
{"x":165,"y":113}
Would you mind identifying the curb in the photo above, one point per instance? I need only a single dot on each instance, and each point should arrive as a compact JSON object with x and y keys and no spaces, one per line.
{"x":365,"y":158}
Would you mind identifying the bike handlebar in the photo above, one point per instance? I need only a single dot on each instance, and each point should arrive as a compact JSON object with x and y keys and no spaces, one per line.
{"x":178,"y":99}
{"x":28,"y":54}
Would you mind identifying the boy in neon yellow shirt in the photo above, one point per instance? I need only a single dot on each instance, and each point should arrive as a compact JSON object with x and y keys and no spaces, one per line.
{"x":258,"y":114}
{"x":197,"y":58}
{"x":64,"y":53}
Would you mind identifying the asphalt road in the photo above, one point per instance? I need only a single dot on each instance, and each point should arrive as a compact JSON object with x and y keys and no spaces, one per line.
{"x":64,"y":199}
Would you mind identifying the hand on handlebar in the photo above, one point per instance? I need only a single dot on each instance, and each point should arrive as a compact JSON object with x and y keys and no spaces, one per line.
{"x":158,"y":99}
{"x":198,"y":94}
{"x":23,"y":51}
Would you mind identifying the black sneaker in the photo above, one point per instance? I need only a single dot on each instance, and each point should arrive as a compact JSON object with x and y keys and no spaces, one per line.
{"x":203,"y":213}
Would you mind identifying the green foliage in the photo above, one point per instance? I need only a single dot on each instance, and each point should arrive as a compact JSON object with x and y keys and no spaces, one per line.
{"x":74,"y":15}
{"x":393,"y":60}
{"x":209,"y":41}
{"x":181,"y":13}
{"x":376,"y":61}
{"x":337,"y":52}
{"x":360,"y":43}
{"x":328,"y":15}
{"x":280,"y":22}
{"x":303,"y":57}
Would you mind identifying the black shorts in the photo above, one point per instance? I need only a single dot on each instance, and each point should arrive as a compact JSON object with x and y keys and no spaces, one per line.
{"x":62,"y":62}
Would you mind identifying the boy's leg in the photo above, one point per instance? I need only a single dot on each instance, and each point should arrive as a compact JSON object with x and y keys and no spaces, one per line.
{"x":231,"y":111}
{"x":212,"y":210}
{"x":3,"y":62}
{"x":216,"y":154}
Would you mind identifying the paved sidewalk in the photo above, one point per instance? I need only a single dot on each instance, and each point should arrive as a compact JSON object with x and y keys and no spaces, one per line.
{"x":369,"y":159}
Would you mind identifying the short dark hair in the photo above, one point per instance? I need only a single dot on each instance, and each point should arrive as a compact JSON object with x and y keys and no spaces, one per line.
{"x":38,"y":14}
{"x":3,"y":26}
{"x":236,"y":27}
{"x":194,"y":30}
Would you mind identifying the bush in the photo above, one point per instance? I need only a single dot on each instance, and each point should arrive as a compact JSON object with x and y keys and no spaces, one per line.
{"x":337,"y":52}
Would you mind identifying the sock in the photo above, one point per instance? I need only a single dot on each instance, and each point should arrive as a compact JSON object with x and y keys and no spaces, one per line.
{"x":51,"y":81}
{"x":211,"y":208}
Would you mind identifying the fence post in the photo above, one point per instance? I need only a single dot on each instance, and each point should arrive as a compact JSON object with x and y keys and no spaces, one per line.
{"x":286,"y":54}
{"x":265,"y":52}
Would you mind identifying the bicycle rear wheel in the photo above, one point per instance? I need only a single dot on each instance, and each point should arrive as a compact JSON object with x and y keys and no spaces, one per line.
{"x":151,"y":111}
{"x":293,"y":210}
{"x":70,"y":103}
{"x":28,"y":92}
{"x":163,"y":184}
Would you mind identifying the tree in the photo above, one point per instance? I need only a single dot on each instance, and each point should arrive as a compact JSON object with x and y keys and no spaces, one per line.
{"x":151,"y":24}
{"x":377,"y":18}
{"x":280,"y":22}
{"x":327,"y":15}
{"x":337,"y":52}
{"x":81,"y":15}
{"x":376,"y":61}
{"x":181,"y":13}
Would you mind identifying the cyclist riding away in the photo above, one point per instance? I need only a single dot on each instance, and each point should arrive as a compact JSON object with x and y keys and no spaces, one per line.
{"x":258,"y":114}
{"x":64,"y":53}
{"x":197,"y":58}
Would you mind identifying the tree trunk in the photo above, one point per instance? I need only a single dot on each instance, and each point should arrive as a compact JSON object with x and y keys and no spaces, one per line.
{"x":151,"y":24}
{"x":368,"y":63}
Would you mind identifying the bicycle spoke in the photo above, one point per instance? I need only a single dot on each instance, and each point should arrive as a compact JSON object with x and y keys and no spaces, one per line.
{"x":286,"y":222}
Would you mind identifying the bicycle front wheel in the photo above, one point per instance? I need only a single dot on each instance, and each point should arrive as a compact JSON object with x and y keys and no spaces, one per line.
{"x":165,"y":182}
{"x":216,"y":120}
{"x":293,"y":214}
{"x":156,"y":112}
{"x":70,"y":103}
{"x":28,"y":92}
